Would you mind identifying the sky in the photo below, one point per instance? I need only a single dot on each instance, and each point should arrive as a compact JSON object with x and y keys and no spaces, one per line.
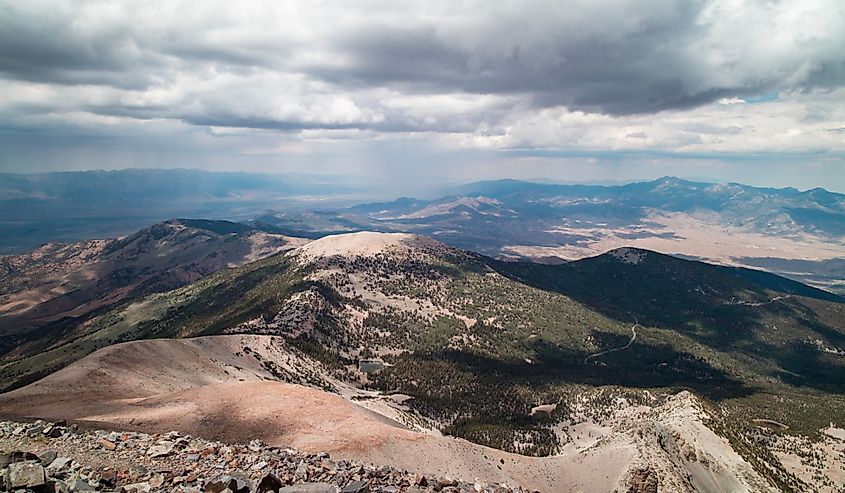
{"x":408,"y":93}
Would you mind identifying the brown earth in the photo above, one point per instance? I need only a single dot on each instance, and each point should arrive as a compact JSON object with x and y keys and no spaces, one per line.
{"x":212,"y":388}
{"x":58,"y":281}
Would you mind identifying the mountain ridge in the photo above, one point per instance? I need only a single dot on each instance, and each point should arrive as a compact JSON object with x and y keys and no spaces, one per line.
{"x":473,"y":346}
{"x":59,"y":286}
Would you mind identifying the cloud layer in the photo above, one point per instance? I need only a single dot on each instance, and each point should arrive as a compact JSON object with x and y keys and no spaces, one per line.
{"x":717,"y":76}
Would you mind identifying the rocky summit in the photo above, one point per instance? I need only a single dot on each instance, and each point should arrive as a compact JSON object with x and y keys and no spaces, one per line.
{"x":54,"y":457}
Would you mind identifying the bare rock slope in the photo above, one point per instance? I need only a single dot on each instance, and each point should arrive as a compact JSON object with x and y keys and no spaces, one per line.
{"x":219,"y":388}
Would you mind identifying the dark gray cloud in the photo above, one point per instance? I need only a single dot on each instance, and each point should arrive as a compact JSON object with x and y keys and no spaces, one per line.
{"x":642,"y":70}
{"x":583,"y":76}
{"x":663,"y":56}
{"x":615,"y":57}
{"x":46,"y":47}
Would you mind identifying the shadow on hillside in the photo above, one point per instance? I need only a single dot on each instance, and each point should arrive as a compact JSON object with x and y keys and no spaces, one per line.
{"x":639,"y":366}
{"x":664,"y":291}
{"x":664,"y":296}
{"x":806,"y":366}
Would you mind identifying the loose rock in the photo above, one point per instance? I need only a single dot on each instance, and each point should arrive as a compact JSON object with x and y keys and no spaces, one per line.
{"x":25,"y":475}
{"x":132,"y":462}
{"x":310,"y":488}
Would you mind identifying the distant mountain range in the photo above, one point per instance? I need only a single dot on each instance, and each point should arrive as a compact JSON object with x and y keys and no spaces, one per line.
{"x":780,"y":212}
{"x":798,"y":234}
{"x":795,"y":233}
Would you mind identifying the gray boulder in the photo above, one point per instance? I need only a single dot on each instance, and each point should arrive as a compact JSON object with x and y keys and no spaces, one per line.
{"x":160,"y":450}
{"x":80,"y":484}
{"x":269,"y":483}
{"x":48,"y":457}
{"x":136,"y":488}
{"x":356,"y":487}
{"x":25,"y":475}
{"x":59,"y":463}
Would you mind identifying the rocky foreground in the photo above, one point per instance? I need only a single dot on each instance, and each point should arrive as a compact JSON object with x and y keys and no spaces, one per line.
{"x":54,"y":457}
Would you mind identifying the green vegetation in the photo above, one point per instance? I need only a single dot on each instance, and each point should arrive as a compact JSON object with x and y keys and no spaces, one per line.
{"x":478,"y":343}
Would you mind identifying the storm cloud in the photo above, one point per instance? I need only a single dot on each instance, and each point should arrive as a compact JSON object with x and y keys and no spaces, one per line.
{"x":483,"y":75}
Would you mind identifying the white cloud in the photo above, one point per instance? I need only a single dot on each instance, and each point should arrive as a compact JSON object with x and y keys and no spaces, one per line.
{"x":257,"y":77}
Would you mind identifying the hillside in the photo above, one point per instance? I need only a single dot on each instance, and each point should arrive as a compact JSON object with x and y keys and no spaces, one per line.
{"x":530,"y":359}
{"x":197,"y":386}
{"x":48,"y":293}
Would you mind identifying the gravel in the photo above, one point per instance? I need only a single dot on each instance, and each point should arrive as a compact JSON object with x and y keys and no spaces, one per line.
{"x":55,"y":457}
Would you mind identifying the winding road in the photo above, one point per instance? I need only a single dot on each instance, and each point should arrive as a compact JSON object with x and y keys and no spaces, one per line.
{"x":741,"y":302}
{"x":626,"y":346}
{"x":637,"y":324}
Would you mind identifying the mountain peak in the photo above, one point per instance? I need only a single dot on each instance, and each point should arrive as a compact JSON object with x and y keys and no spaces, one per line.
{"x":217,"y":226}
{"x":670,"y":182}
{"x":363,"y":244}
{"x":629,"y":255}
